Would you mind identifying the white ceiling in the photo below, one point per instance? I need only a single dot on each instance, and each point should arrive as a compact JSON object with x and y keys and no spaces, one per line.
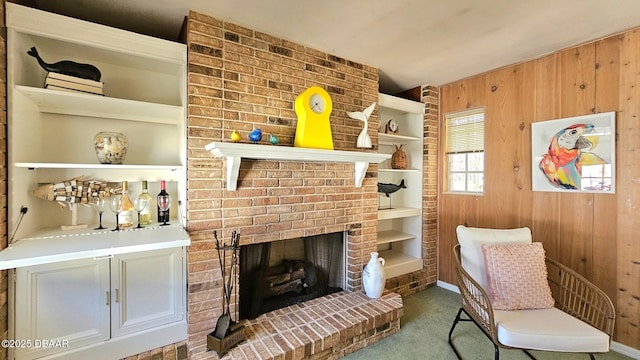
{"x":412,"y":42}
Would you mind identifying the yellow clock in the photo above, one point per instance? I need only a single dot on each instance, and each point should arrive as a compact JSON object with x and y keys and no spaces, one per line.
{"x":313,"y":108}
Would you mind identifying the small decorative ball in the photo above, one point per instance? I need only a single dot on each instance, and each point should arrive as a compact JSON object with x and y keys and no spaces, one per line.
{"x":273,"y":139}
{"x":235,"y":136}
{"x":255,"y":135}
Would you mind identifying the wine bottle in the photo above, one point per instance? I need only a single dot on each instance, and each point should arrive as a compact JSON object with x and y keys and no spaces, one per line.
{"x":125,"y":217}
{"x":163,"y":215}
{"x":145,"y":214}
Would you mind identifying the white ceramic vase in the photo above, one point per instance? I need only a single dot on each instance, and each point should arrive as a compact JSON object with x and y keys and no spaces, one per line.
{"x":373,"y":276}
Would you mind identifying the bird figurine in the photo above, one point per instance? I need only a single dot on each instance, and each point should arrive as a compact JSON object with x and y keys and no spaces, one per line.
{"x":364,"y":140}
{"x":273,"y":139}
{"x":255,"y":135}
{"x":235,"y":136}
{"x":568,"y":153}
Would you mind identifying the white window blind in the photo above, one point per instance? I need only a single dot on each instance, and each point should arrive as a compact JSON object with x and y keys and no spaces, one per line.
{"x":465,"y":132}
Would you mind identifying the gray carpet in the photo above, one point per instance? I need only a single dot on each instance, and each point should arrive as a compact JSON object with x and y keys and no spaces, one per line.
{"x":425,"y":325}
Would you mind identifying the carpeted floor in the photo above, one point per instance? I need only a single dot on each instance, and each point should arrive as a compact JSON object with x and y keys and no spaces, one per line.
{"x":425,"y":325}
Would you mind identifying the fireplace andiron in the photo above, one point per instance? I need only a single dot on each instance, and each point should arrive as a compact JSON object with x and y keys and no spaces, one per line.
{"x":227,"y":333}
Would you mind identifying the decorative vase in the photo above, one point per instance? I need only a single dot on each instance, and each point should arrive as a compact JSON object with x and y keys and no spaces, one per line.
{"x":399,"y":158}
{"x":111,"y":147}
{"x":373,"y":276}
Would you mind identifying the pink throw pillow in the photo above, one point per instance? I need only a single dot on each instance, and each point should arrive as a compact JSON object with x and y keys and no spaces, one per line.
{"x":517,"y":276}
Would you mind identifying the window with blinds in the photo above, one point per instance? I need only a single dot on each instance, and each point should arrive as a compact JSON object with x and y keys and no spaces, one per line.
{"x":465,"y":151}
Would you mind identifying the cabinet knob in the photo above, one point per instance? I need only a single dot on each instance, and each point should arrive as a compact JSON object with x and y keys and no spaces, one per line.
{"x":108,"y":302}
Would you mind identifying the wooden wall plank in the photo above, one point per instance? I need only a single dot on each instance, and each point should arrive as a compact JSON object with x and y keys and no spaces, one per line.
{"x":576,"y":210}
{"x":501,"y":205}
{"x":628,"y":193}
{"x":546,"y":106}
{"x":605,"y":230}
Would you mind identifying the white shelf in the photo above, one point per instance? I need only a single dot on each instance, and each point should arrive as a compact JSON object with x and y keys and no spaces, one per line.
{"x":54,"y":172}
{"x":39,"y":165}
{"x":391,"y":139}
{"x":397,"y":263}
{"x":397,"y":213}
{"x":79,"y":104}
{"x":399,"y":105}
{"x":390,"y":236}
{"x":398,"y":170}
{"x":235,"y":152}
{"x":55,"y":245}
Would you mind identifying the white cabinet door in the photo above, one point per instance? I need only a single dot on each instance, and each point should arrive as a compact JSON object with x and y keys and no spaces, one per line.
{"x":148,"y":290}
{"x":67,"y":301}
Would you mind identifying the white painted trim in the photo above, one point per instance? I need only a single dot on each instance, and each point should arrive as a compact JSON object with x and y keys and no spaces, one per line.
{"x":448,"y":286}
{"x":625,"y":350}
{"x":615,"y":346}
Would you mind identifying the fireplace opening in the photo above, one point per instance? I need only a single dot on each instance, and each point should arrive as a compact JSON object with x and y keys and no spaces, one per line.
{"x":282,"y":273}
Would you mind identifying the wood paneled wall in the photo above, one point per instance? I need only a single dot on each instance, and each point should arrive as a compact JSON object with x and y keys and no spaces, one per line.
{"x":594,"y":234}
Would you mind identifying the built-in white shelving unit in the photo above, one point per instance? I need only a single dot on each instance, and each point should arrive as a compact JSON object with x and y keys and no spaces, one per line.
{"x":103,"y":311}
{"x":400,"y":214}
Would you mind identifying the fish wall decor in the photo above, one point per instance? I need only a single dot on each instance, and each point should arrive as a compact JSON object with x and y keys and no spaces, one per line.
{"x":80,"y":190}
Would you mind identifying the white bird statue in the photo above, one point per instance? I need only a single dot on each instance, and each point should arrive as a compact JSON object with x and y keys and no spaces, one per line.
{"x":364,"y":140}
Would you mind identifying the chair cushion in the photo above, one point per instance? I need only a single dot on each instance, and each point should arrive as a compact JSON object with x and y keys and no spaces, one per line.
{"x":548,"y":330}
{"x":471,"y":239}
{"x":517,"y":276}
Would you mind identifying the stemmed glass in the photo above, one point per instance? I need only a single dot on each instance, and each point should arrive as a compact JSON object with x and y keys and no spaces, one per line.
{"x":140,"y":204}
{"x":164,"y":203}
{"x":115,"y":206}
{"x":101,"y":205}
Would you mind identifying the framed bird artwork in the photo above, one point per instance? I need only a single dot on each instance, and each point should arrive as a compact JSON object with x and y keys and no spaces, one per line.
{"x":575,"y":154}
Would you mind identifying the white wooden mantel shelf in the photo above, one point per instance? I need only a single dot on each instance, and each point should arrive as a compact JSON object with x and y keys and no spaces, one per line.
{"x":235,"y":152}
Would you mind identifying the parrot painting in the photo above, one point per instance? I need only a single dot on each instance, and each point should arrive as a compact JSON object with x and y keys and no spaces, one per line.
{"x":569,"y":151}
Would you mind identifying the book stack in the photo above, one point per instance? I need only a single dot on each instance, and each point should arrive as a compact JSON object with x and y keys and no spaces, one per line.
{"x":62,"y":82}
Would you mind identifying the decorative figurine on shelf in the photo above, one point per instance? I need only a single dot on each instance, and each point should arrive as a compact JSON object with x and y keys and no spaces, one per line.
{"x":313,"y":129}
{"x":364,"y":140}
{"x":391,"y":127}
{"x":235,"y":136}
{"x":399,"y":158}
{"x":273,"y":139}
{"x":74,"y":192}
{"x":255,"y":135}
{"x":67,"y":67}
{"x":388,"y":189}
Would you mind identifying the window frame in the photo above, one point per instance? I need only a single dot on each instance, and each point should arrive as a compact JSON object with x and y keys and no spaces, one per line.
{"x":447,"y":165}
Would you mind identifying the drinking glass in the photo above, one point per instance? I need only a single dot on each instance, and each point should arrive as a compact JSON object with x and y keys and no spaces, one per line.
{"x":101,"y":205}
{"x":115,"y":206}
{"x":164,"y":203}
{"x":140,"y":204}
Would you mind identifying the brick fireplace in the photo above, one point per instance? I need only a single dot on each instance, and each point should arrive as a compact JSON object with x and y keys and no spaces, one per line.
{"x":239,"y":79}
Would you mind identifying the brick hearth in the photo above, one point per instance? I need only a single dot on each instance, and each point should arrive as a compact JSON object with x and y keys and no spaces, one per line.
{"x":328,"y":327}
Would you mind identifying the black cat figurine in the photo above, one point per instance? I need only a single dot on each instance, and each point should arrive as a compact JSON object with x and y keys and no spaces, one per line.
{"x":67,"y":67}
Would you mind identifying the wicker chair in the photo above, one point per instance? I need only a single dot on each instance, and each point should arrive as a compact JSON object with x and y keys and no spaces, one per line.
{"x":573,"y":294}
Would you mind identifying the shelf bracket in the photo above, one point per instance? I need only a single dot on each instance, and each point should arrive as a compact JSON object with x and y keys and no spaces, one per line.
{"x":233,"y":170}
{"x":359,"y":172}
